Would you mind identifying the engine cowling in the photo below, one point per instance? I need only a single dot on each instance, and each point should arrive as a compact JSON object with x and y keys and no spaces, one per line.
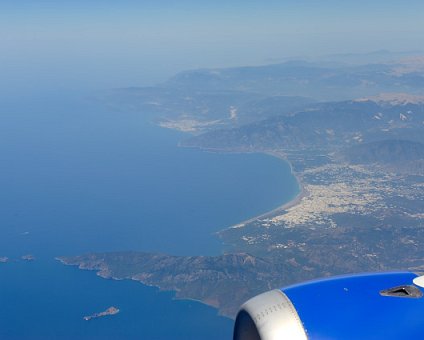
{"x":364,"y":306}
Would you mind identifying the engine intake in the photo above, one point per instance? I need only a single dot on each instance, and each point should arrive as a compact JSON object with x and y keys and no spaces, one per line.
{"x":268,"y":316}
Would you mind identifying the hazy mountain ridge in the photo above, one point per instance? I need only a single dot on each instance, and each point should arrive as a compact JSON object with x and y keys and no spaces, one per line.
{"x":329,"y":126}
{"x":386,"y":152}
{"x":207,"y":110}
{"x":396,"y":155}
{"x":306,"y":79}
{"x":207,"y":99}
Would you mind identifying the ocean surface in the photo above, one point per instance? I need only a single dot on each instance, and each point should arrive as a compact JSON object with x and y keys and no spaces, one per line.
{"x":77,"y":177}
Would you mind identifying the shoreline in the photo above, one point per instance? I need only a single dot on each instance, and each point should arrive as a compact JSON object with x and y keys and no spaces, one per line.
{"x":283,"y":207}
{"x":159,"y":289}
{"x":273,"y":153}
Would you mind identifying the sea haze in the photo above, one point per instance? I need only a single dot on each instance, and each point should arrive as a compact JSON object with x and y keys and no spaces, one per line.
{"x":78,"y":177}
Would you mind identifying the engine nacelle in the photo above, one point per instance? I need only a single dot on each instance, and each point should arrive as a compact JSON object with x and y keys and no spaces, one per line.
{"x":365,"y":306}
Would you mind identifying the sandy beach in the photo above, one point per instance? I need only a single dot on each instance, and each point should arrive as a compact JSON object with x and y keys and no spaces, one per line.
{"x":296,"y":200}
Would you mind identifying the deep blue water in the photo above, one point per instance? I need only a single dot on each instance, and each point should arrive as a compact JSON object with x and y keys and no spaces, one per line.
{"x":78,"y":177}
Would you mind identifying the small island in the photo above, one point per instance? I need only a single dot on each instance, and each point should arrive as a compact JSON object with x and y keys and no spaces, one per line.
{"x":110,"y":311}
{"x":4,"y":259}
{"x":28,"y":257}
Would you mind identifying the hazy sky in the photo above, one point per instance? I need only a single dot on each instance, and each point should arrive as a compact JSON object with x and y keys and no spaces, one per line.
{"x":102,"y":44}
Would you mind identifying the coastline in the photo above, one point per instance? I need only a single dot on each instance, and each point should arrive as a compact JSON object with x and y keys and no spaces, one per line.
{"x":273,"y":153}
{"x":105,"y":274}
{"x":283,"y":207}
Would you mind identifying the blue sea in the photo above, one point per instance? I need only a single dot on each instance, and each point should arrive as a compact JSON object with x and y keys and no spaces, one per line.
{"x":77,"y":176}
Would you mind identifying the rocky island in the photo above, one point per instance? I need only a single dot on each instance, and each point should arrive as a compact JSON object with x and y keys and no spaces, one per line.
{"x":110,"y":311}
{"x":360,"y":164}
{"x":28,"y":257}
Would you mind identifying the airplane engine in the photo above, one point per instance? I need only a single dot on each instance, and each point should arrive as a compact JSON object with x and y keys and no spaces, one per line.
{"x":363,"y":306}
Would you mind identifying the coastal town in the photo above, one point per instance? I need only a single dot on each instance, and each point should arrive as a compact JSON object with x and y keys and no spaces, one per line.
{"x":333,"y":189}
